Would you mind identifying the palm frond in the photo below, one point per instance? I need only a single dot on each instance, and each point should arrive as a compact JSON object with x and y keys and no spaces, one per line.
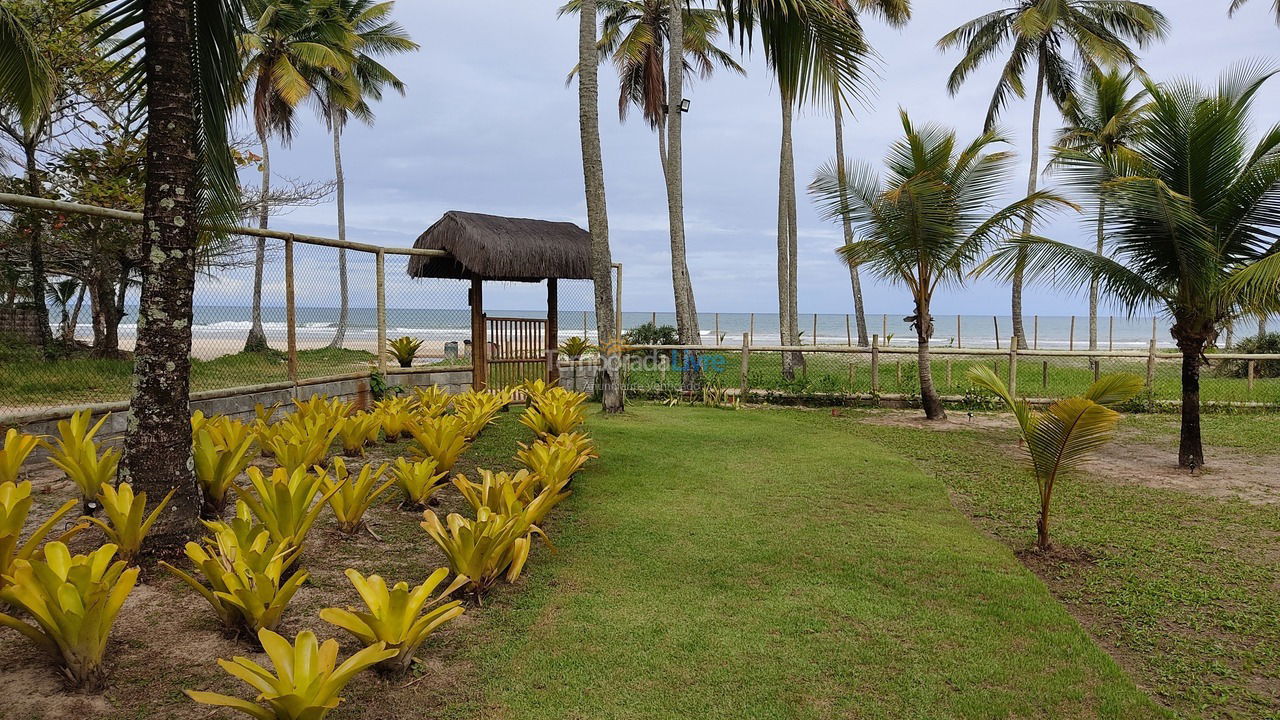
{"x":26,"y":80}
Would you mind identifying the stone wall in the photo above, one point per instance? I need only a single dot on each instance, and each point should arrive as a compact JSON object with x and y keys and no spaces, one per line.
{"x":21,"y":321}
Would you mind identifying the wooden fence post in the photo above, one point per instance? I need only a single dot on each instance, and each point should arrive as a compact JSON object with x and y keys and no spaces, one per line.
{"x":1035,"y":332}
{"x":717,"y":329}
{"x":291,"y":312}
{"x":996,"y":322}
{"x":746,"y":354}
{"x":1253,"y":366}
{"x":958,"y":342}
{"x":751,"y":327}
{"x":1151,"y":364}
{"x":1044,"y":374}
{"x":949,"y":383}
{"x":1013,"y":366}
{"x":1111,"y":334}
{"x":382,"y":311}
{"x":815,"y":329}
{"x":875,"y":364}
{"x":848,"y":332}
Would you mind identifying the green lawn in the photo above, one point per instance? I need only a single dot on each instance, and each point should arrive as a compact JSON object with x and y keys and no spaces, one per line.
{"x":1183,"y":588}
{"x":1037,"y":376}
{"x":770,"y":564}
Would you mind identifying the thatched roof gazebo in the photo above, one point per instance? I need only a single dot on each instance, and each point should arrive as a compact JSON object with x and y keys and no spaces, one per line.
{"x":490,"y":247}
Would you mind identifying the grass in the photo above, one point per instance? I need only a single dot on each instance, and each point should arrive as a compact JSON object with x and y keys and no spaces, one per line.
{"x":767,"y":565}
{"x":1182,"y":588}
{"x":711,"y":564}
{"x":29,"y":381}
{"x":1037,"y":376}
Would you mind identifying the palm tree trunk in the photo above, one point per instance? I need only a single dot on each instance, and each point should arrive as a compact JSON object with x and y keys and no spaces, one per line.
{"x":69,"y":336}
{"x":1033,"y":177}
{"x":681,"y":284}
{"x":929,"y":398}
{"x":597,"y":212}
{"x":1262,"y":325}
{"x":257,"y":340}
{"x":35,"y":251}
{"x":1093,"y":282}
{"x":854,"y":280}
{"x":786,"y":176}
{"x":157,"y":449}
{"x":1190,"y":445}
{"x":341,"y":333}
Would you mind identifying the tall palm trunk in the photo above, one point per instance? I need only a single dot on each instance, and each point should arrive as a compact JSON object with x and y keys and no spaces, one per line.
{"x":1033,"y":177}
{"x":257,"y":340}
{"x":35,"y":251}
{"x":681,"y":284}
{"x":1093,"y":281}
{"x":340,"y":334}
{"x":1262,"y":324}
{"x":157,"y":450}
{"x":1190,"y":445}
{"x":787,"y":321}
{"x":69,"y":334}
{"x":597,"y":213}
{"x":929,"y":398}
{"x":854,"y":280}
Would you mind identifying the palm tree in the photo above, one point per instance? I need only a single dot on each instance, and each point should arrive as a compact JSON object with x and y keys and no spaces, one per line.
{"x":896,"y":14}
{"x":1047,"y":33}
{"x":341,"y":95}
{"x":1102,"y":119}
{"x":928,"y":222}
{"x":1194,"y":213}
{"x":635,"y":35}
{"x":183,"y":73}
{"x":1237,"y":4}
{"x":26,"y":80}
{"x":597,"y":212}
{"x":289,"y":42}
{"x":1062,"y":437}
{"x":816,"y":50}
{"x":62,"y":295}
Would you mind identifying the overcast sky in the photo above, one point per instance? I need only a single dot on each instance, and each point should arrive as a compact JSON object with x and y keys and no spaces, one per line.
{"x":488,"y":125}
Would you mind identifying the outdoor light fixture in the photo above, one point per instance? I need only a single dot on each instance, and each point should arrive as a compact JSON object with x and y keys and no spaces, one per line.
{"x":684,"y":106}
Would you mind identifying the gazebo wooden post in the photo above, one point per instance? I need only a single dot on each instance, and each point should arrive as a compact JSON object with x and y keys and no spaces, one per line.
{"x":479,"y":341}
{"x":553,"y":331}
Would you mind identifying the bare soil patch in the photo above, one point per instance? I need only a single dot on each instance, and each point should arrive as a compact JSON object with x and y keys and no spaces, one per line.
{"x":1231,"y":474}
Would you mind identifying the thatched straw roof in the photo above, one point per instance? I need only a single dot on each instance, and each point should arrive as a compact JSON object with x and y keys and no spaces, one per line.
{"x":490,"y":247}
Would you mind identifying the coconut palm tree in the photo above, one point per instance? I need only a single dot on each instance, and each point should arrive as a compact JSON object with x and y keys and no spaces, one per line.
{"x":26,"y":81}
{"x":816,"y":50}
{"x":1048,"y":33}
{"x":928,"y":221}
{"x":1237,"y":4}
{"x":287,"y":44}
{"x":342,"y":95}
{"x":183,"y":72}
{"x":1102,"y":119}
{"x":1194,"y":213}
{"x":1064,"y":436}
{"x":635,"y":35}
{"x":597,"y":212}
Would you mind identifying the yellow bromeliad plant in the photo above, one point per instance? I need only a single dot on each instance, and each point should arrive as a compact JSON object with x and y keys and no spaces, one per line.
{"x":352,"y":496}
{"x":477,"y":408}
{"x":244,"y":572}
{"x":306,"y":681}
{"x":554,"y":460}
{"x":76,"y":454}
{"x":322,"y":406}
{"x":358,"y":431}
{"x":15,"y":506}
{"x":499,"y":492}
{"x":17,"y":446}
{"x":74,"y":601}
{"x":127,"y":523}
{"x":399,"y":617}
{"x":442,"y":439}
{"x":303,"y":442}
{"x":555,"y":412}
{"x":430,"y":402}
{"x":395,"y":415}
{"x":419,"y":480}
{"x":219,"y":460}
{"x":286,"y":503}
{"x":486,"y":548}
